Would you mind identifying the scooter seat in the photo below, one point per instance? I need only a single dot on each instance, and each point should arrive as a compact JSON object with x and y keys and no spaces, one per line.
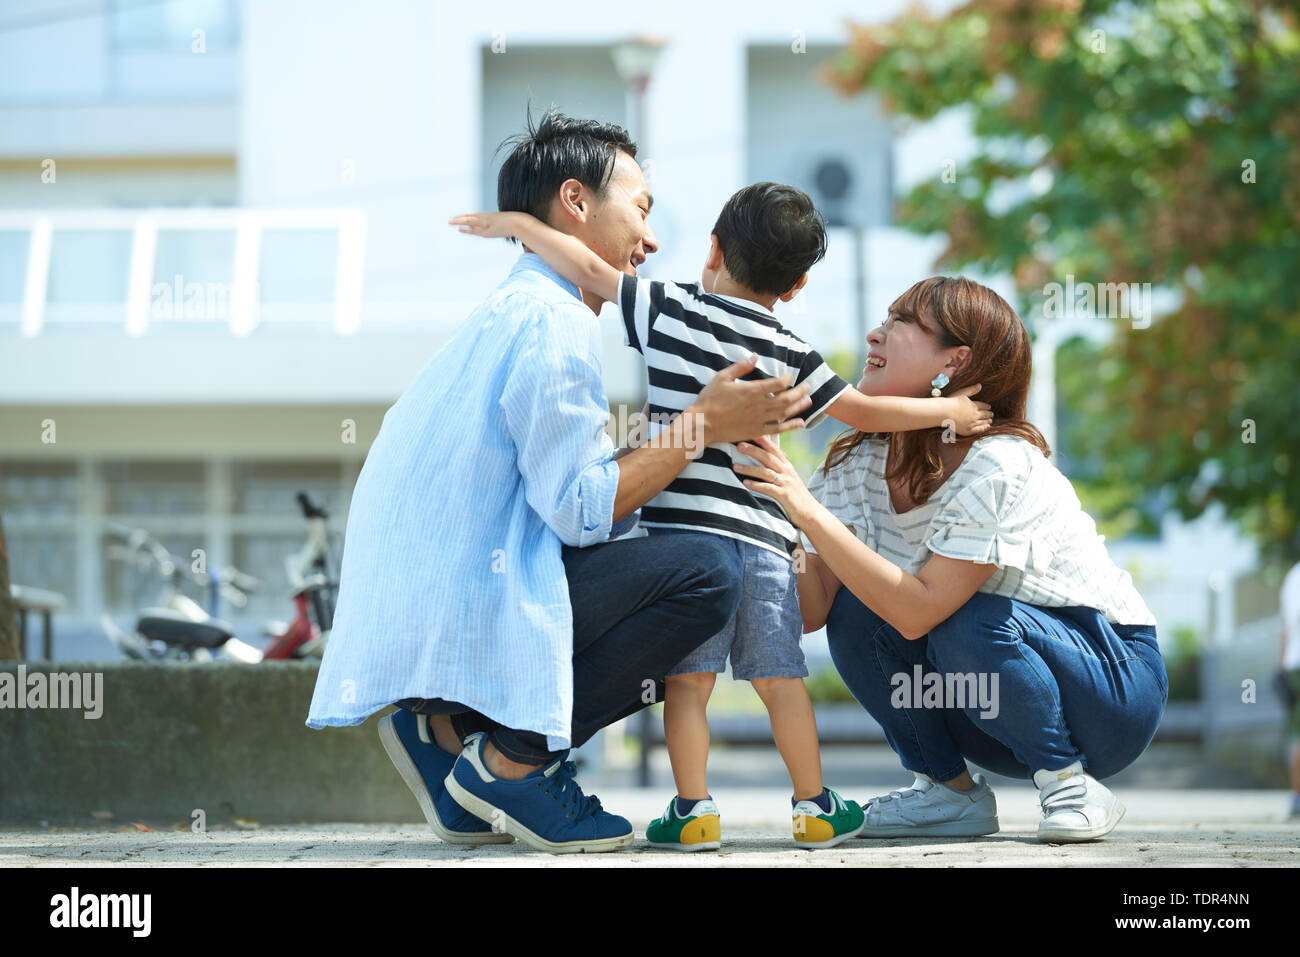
{"x":181,"y":631}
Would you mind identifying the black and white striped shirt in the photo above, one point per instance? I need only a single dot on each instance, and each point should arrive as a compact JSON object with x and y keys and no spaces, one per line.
{"x":687,"y":336}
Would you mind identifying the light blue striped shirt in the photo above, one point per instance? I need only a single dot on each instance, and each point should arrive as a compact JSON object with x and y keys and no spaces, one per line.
{"x":451,"y":584}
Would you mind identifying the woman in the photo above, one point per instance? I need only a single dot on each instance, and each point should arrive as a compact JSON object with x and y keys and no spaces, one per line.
{"x":969,"y":602}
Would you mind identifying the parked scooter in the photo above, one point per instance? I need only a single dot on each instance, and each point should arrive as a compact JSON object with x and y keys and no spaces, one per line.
{"x":178,"y":628}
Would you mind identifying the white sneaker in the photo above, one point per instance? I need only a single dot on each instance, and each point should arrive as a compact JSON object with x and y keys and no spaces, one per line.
{"x":1076,"y":806}
{"x":930,"y":808}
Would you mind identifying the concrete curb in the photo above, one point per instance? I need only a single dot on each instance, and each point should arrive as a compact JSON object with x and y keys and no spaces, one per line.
{"x":229,"y":740}
{"x":226,"y":738}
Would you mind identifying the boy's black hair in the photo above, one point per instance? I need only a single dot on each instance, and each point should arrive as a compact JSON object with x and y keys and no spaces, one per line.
{"x":560,"y":147}
{"x":770,"y":235}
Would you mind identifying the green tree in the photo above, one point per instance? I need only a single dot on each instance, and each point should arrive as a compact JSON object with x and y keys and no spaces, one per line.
{"x":1132,"y":143}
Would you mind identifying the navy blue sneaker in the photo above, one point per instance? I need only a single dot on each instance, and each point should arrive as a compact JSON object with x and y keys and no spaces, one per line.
{"x":546,"y":810}
{"x":424,"y":766}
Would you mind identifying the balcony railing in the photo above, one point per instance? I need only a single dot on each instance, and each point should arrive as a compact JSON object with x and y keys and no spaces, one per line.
{"x":238,"y":290}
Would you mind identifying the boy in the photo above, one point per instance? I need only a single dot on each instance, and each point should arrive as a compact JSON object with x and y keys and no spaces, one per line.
{"x":765,"y":240}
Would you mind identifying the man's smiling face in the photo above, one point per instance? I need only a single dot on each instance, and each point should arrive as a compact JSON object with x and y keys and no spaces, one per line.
{"x":618,"y":228}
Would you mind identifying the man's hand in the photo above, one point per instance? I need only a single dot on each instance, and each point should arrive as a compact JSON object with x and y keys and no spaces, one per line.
{"x":731,"y":410}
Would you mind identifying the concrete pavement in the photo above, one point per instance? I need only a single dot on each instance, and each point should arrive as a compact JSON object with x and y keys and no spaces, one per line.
{"x":1163,"y":828}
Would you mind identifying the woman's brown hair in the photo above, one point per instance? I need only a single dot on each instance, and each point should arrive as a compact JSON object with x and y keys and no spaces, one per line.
{"x":966,"y":314}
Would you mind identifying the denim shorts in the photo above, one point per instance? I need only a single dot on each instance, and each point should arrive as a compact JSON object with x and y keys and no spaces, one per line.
{"x":762,"y":638}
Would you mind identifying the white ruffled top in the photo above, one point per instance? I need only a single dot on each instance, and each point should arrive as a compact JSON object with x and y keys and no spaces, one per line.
{"x":1005,"y":504}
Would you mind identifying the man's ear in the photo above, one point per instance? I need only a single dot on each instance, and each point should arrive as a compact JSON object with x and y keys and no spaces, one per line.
{"x":571,"y":205}
{"x":714,"y":263}
{"x":794,"y":290}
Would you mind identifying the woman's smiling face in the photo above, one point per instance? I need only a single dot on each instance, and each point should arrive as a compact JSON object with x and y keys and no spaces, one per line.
{"x":909,"y":348}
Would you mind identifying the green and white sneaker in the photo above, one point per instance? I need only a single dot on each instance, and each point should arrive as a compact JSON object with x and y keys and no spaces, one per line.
{"x":814,"y":828}
{"x":699,"y":830}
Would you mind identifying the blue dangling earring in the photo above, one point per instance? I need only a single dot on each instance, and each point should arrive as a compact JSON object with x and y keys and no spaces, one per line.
{"x":938,"y":382}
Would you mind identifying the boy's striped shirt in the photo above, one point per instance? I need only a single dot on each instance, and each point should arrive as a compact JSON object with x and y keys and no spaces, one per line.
{"x":687,"y":336}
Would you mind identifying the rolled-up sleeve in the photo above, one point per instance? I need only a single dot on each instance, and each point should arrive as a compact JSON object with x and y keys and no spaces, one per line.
{"x":995,"y":519}
{"x":625,"y":524}
{"x":555,"y":412}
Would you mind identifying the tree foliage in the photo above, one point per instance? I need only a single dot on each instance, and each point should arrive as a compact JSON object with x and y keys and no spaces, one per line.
{"x":1154,"y":142}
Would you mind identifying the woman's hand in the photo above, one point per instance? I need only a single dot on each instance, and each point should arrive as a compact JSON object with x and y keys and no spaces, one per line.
{"x":776,"y":478}
{"x":490,"y":225}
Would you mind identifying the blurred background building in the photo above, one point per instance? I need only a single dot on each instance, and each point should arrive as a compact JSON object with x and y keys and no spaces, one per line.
{"x":224,"y":250}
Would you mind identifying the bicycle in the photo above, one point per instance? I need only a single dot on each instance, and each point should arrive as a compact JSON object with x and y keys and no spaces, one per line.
{"x":180,"y":629}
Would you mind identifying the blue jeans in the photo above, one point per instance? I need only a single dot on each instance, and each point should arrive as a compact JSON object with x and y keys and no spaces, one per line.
{"x":640,"y":605}
{"x":1070,"y":686}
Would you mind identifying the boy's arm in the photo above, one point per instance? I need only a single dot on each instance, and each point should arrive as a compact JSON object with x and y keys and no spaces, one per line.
{"x":566,"y":254}
{"x":898,"y":413}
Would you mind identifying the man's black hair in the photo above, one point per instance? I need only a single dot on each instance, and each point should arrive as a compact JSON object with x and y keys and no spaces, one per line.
{"x":558,"y":148}
{"x":770,"y":235}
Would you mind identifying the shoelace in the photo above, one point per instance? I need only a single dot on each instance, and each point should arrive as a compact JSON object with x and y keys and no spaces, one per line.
{"x":563,"y":787}
{"x":1068,"y":798}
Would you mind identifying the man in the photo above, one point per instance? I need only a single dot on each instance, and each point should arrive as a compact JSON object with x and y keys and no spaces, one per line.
{"x":478,"y":590}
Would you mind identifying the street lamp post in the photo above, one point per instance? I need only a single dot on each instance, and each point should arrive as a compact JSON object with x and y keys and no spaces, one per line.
{"x":635,"y":61}
{"x":834,"y":180}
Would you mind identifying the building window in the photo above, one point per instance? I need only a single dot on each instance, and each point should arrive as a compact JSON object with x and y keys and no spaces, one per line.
{"x":169,"y":27}
{"x":13,"y":265}
{"x":579,"y":80}
{"x":243,"y":513}
{"x":88,"y":275}
{"x":154,"y":488}
{"x":852,"y":133}
{"x":40,"y":501}
{"x":269,"y":527}
{"x":181,"y":51}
